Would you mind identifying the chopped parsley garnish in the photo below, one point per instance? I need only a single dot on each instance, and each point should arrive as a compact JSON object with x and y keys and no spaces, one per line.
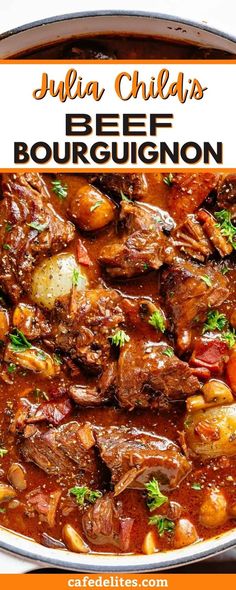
{"x":119,"y":338}
{"x":168,"y":179}
{"x":96,"y":205}
{"x":145,"y":266}
{"x":6,"y":247}
{"x":229,"y":337}
{"x":162,"y":523}
{"x":207,"y":280}
{"x":39,"y":227}
{"x":155,"y":498}
{"x":19,"y":342}
{"x":215,"y":321}
{"x":124,"y":197}
{"x":196,"y":486}
{"x":11,"y":368}
{"x":2,"y":510}
{"x":227,"y":229}
{"x":8,"y":226}
{"x":84,"y":494}
{"x":157,"y":321}
{"x":168,"y":351}
{"x":224,"y":269}
{"x":59,"y":189}
{"x":3,"y":452}
{"x":76,"y":277}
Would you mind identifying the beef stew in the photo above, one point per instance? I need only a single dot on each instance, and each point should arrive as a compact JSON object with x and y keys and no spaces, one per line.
{"x":118,"y":359}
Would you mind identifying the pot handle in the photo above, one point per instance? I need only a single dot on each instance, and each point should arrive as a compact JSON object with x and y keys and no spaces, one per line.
{"x":10,"y":563}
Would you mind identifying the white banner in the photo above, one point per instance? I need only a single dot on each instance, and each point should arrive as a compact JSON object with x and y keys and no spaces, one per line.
{"x":104,"y":115}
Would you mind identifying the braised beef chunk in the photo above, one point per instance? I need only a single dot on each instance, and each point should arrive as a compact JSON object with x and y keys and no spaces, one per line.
{"x":42,"y":449}
{"x":98,"y":394}
{"x":186,"y":192}
{"x":104,"y":523}
{"x":133,"y":186}
{"x":191,"y":240}
{"x":190,"y":291}
{"x":31,"y":229}
{"x":213,"y":233}
{"x":226,"y":194}
{"x":135,"y":457}
{"x":153,"y":375}
{"x":83,"y":326}
{"x":67,"y":449}
{"x":142,"y":247}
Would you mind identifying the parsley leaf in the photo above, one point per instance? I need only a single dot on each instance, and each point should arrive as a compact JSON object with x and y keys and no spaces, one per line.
{"x":11,"y":368}
{"x":227,"y":229}
{"x":19,"y":342}
{"x":196,"y":486}
{"x":119,"y":338}
{"x":155,"y":498}
{"x":168,"y":351}
{"x":168,"y":179}
{"x":96,"y":205}
{"x":229,"y":337}
{"x":76,"y":277}
{"x":206,"y":280}
{"x":215,"y":321}
{"x":38,"y":226}
{"x":224,"y":269}
{"x":2,"y":510}
{"x":163,"y":524}
{"x":157,"y":321}
{"x":59,"y":189}
{"x":3,"y":452}
{"x":84,"y":494}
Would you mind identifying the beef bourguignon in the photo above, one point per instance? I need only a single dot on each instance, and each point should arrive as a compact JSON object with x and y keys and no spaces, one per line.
{"x":118,"y":359}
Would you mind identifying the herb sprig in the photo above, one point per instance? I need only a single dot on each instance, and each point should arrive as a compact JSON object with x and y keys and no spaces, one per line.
{"x":59,"y":189}
{"x":3,"y":452}
{"x":119,"y":338}
{"x":19,"y":342}
{"x":84,"y":494}
{"x":162,"y":523}
{"x":155,"y":498}
{"x":168,"y":179}
{"x":157,"y":321}
{"x":227,"y":229}
{"x":215,"y":321}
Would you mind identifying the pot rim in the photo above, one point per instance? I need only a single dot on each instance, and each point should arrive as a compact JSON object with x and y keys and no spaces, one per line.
{"x":28,"y":549}
{"x":118,"y":13}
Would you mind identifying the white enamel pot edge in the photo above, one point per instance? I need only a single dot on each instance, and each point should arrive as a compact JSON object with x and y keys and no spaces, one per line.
{"x":23,"y":553}
{"x":31,"y":555}
{"x":67,"y":26}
